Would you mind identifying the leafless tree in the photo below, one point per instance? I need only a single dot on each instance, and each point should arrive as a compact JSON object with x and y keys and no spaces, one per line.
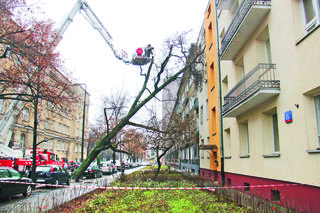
{"x":156,"y":78}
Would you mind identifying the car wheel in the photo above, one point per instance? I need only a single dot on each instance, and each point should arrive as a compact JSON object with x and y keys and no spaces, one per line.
{"x":28,"y":191}
{"x":56,"y":182}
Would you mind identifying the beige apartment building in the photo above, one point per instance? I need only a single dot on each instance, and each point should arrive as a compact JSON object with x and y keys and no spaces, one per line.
{"x":60,"y":132}
{"x":270,"y":77}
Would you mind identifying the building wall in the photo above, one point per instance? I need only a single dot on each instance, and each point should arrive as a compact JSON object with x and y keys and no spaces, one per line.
{"x":213,"y":89}
{"x":296,"y":55}
{"x":203,"y":106}
{"x":66,"y":129}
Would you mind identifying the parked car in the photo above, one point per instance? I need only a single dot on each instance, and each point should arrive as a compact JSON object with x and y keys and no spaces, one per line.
{"x":93,"y":172}
{"x":52,"y":174}
{"x":11,"y":189}
{"x":107,"y":168}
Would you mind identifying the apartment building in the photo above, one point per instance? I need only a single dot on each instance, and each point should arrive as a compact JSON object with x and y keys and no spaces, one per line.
{"x":270,"y":84}
{"x":59,"y":132}
{"x":185,"y":154}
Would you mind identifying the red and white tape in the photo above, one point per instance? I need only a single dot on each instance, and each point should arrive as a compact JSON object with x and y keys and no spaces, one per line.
{"x":155,"y":188}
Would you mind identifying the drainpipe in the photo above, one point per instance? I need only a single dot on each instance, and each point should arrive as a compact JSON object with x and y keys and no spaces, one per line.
{"x":220,"y":94}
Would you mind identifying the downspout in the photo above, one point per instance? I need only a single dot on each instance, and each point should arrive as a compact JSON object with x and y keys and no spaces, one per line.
{"x":220,"y":94}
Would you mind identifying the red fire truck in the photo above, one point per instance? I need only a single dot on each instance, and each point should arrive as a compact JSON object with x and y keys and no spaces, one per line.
{"x":24,"y":165}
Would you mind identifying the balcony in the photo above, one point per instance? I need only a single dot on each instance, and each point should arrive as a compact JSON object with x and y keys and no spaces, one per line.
{"x":224,"y":4}
{"x":245,"y":21}
{"x":256,"y":87}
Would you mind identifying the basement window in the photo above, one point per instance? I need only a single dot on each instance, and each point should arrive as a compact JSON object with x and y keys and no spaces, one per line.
{"x":275,"y":195}
{"x":246,"y":187}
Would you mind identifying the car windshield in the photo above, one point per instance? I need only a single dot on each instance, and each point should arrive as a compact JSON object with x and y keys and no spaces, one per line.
{"x":43,"y":169}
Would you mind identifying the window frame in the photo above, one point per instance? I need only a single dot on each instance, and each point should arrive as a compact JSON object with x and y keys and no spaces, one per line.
{"x":315,"y":21}
{"x":25,"y":114}
{"x":275,"y":135}
{"x":317,"y":116}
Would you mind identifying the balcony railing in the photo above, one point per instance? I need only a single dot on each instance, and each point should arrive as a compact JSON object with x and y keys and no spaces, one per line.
{"x":263,"y":76}
{"x":238,"y":20}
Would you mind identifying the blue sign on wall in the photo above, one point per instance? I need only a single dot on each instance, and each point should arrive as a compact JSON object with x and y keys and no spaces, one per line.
{"x":288,"y":116}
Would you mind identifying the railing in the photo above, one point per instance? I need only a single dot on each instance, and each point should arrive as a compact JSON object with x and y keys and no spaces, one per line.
{"x":262,"y":76}
{"x":239,"y":16}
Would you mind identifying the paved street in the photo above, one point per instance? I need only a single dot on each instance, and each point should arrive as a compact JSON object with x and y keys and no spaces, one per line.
{"x":45,"y":198}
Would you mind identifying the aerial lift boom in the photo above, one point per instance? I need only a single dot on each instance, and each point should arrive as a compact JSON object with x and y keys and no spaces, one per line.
{"x":143,"y":55}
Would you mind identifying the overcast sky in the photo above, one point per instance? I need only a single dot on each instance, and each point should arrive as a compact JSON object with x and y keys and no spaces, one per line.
{"x":132,"y":24}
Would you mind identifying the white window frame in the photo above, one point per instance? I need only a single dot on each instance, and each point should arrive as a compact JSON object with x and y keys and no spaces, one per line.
{"x":52,"y":124}
{"x":25,"y":114}
{"x":47,"y":123}
{"x":1,"y":105}
{"x":274,"y":134}
{"x":58,"y":145}
{"x":22,"y":141}
{"x":315,"y":21}
{"x":317,"y":116}
{"x":50,"y":145}
{"x":45,"y":144}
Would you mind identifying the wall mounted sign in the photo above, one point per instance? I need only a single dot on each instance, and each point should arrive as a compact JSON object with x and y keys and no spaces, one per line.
{"x":288,"y":116}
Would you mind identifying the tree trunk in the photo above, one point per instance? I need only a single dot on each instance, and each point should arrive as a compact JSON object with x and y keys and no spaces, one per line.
{"x":34,"y":143}
{"x":158,"y":169}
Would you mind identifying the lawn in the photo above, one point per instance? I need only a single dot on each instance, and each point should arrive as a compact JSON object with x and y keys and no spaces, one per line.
{"x":151,"y":200}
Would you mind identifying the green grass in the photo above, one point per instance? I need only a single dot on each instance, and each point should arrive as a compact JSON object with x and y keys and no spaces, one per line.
{"x":156,"y":200}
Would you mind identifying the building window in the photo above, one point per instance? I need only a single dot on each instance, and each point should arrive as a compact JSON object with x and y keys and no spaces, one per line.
{"x":276,"y":144}
{"x":270,"y":133}
{"x":201,"y":115}
{"x":311,"y":14}
{"x":45,"y":145}
{"x":246,"y":187}
{"x":59,"y":127}
{"x":1,"y":105}
{"x":22,"y":140}
{"x":66,"y":146}
{"x":317,"y":111}
{"x":25,"y":114}
{"x":52,"y":125}
{"x":268,"y":51}
{"x":244,"y":139}
{"x":58,"y":145}
{"x":229,"y":181}
{"x":47,"y":123}
{"x":76,"y":148}
{"x":227,"y":142}
{"x":62,"y":146}
{"x":275,"y":195}
{"x":51,"y":145}
{"x":214,"y":121}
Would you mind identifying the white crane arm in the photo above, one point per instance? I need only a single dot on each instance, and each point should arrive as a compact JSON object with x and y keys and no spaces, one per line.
{"x":92,"y":18}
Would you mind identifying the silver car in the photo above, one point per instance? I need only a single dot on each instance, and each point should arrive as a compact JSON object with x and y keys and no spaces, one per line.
{"x":107,"y":168}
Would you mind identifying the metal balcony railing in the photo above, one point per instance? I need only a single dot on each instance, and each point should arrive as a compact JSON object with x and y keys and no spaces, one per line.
{"x":262,"y":76}
{"x":238,"y":18}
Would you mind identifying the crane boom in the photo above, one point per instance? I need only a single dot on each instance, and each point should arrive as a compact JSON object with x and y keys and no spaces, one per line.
{"x":92,"y":18}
